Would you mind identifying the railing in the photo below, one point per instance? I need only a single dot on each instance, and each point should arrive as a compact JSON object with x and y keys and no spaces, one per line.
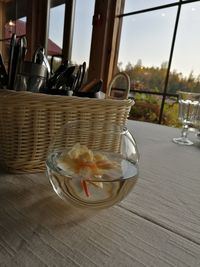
{"x":119,"y":91}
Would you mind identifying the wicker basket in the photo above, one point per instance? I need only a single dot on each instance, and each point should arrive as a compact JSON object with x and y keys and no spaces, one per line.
{"x":28,"y":121}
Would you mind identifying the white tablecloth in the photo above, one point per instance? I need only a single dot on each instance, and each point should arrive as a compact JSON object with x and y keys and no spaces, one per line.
{"x":158,"y":224}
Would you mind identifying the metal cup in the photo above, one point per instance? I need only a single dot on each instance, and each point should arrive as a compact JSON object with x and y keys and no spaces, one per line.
{"x":31,"y":77}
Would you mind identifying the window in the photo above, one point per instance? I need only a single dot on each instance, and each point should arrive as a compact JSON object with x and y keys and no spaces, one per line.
{"x":145,"y":47}
{"x":159,"y":50}
{"x":186,"y":57}
{"x":56,"y":27}
{"x":82,"y":31}
{"x":55,"y":40}
{"x":81,"y":26}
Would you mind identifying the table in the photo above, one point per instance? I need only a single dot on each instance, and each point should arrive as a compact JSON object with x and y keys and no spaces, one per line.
{"x":158,"y":224}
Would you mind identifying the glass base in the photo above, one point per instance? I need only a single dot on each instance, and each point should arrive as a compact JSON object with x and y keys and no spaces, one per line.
{"x":182,"y":141}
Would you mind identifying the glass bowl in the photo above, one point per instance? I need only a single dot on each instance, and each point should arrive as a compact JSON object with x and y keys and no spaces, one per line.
{"x":91,"y":164}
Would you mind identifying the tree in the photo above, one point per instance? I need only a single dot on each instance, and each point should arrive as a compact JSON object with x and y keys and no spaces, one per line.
{"x":164,"y":65}
{"x":128,"y":67}
{"x":139,"y":63}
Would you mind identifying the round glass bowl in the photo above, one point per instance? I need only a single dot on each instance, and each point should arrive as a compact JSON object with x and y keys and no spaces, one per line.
{"x":92,"y":165}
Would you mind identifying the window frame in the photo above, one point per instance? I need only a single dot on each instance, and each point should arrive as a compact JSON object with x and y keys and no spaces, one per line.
{"x":163,"y":94}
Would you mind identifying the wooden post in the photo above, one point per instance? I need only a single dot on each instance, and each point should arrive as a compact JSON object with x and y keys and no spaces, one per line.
{"x":37,"y":25}
{"x":2,"y":25}
{"x":112,"y":49}
{"x":105,"y":40}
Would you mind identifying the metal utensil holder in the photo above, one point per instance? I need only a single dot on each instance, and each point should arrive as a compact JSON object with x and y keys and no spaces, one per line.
{"x":31,"y":77}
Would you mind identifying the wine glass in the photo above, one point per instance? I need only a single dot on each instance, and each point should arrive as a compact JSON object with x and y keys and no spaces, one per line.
{"x":92,"y":164}
{"x":188,"y":115}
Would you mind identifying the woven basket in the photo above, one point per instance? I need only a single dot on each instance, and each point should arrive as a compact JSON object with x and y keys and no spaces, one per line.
{"x":28,"y":121}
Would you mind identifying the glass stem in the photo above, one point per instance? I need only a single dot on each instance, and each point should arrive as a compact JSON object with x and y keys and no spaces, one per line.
{"x":184,"y":132}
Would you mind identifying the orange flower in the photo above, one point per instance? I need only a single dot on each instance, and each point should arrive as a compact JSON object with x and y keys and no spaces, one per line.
{"x":83,"y":162}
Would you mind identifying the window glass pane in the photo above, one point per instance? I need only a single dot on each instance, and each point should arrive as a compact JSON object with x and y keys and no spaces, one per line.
{"x":82,"y":31}
{"x":56,"y":27}
{"x":145,"y":47}
{"x":21,"y":26}
{"x":185,"y":69}
{"x":146,"y":108}
{"x":131,"y":5}
{"x":170,"y":112}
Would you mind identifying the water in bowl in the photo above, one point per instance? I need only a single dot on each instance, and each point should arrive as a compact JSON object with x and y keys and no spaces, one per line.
{"x":93,"y":192}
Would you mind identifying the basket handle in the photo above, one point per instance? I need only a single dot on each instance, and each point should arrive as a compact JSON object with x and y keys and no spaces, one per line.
{"x":117,"y":76}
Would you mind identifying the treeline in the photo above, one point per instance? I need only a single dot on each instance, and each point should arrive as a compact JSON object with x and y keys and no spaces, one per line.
{"x":153,"y":78}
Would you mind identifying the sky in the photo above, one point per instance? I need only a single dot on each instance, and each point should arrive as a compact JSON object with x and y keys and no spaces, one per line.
{"x":82,"y":29}
{"x":145,"y":36}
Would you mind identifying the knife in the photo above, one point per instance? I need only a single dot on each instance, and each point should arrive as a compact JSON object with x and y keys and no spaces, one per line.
{"x":64,"y":78}
{"x":12,"y":54}
{"x":20,"y":52}
{"x":52,"y":80}
{"x":79,"y":77}
{"x":24,"y":47}
{"x":3,"y":74}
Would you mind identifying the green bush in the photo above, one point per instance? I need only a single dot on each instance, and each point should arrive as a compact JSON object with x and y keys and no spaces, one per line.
{"x":147,"y":108}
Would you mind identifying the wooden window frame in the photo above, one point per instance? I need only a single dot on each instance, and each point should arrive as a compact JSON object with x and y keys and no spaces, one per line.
{"x":105,"y":40}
